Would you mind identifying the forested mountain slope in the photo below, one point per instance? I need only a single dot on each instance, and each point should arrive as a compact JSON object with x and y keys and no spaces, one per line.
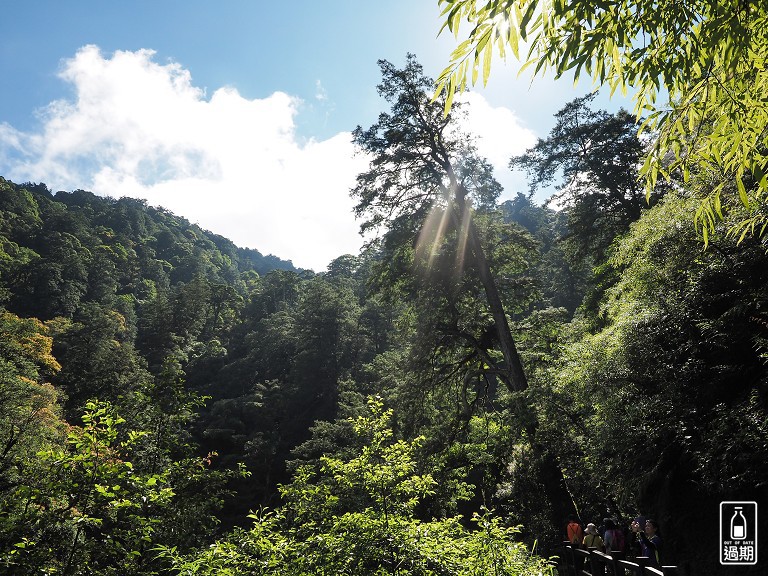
{"x":157,"y":383}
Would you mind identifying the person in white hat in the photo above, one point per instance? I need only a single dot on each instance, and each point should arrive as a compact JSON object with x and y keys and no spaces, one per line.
{"x":592,"y":538}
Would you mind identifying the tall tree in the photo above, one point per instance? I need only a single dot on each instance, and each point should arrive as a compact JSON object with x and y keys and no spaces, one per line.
{"x":597,"y":155}
{"x":424,"y":177}
{"x":422,"y":181}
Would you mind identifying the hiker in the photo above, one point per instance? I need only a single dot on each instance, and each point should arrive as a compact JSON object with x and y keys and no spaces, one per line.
{"x":650,"y":541}
{"x":592,"y":539}
{"x":574,"y":532}
{"x":614,"y":537}
{"x":633,"y":541}
{"x":601,"y":529}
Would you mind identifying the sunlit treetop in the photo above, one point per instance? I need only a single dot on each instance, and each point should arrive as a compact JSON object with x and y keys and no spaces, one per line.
{"x":705,"y":59}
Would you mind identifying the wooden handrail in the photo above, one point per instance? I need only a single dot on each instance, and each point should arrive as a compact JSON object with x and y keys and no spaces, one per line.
{"x":592,"y":562}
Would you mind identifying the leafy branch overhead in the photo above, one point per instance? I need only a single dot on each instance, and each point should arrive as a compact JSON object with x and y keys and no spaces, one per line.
{"x":707,"y":59}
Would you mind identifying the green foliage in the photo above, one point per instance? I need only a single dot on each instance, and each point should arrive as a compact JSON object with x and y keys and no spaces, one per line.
{"x":707,"y":57}
{"x":448,"y":254}
{"x":660,"y":405}
{"x":99,"y":361}
{"x":94,"y":506}
{"x":355,"y":516}
{"x":385,"y":470}
{"x":78,"y":247}
{"x":30,"y":415}
{"x":145,"y":310}
{"x":90,"y":508}
{"x":208,"y":380}
{"x":298,"y":340}
{"x":560,"y":277}
{"x":153,"y":315}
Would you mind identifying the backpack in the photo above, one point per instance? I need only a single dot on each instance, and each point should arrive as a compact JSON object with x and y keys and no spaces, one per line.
{"x":594,"y":541}
{"x":575,"y":534}
{"x":617,"y":540}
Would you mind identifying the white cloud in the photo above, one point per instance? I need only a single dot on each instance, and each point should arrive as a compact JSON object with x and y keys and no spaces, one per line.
{"x":233,"y":165}
{"x":320,"y":93}
{"x":500,"y":135}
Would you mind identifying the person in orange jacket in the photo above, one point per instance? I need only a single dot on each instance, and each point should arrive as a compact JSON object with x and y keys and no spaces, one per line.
{"x":574,"y":531}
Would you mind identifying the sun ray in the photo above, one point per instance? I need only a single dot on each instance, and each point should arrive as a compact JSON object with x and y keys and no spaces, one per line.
{"x":432,"y":234}
{"x":461,"y":249}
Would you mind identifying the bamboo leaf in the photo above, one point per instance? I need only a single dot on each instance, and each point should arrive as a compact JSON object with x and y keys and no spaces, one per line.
{"x":487,"y":57}
{"x":742,"y":192}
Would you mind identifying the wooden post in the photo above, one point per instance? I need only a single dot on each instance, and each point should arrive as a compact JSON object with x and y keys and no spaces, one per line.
{"x":642,"y":562}
{"x":633,"y":568}
{"x":582,"y":559}
{"x":570,"y":560}
{"x":615,"y":556}
{"x":598,"y":561}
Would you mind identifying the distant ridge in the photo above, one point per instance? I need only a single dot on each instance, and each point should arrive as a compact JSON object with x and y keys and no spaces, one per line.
{"x":58,"y":250}
{"x":79,"y":200}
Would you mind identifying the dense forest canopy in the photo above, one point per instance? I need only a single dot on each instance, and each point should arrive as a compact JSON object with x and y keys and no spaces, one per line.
{"x":174,"y":404}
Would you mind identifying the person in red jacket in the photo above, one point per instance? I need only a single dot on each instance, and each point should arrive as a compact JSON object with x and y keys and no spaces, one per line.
{"x":614,"y":537}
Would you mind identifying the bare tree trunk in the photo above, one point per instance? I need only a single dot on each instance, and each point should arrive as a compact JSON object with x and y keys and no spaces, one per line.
{"x":551,"y":475}
{"x":514,"y":374}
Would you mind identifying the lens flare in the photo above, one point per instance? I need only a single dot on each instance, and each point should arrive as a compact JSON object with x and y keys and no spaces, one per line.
{"x":441,"y":221}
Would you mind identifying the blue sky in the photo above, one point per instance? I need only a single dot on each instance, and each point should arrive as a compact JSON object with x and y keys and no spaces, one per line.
{"x":234,"y":114}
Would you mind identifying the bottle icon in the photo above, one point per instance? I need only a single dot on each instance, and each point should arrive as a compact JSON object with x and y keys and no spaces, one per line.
{"x":738,"y":525}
